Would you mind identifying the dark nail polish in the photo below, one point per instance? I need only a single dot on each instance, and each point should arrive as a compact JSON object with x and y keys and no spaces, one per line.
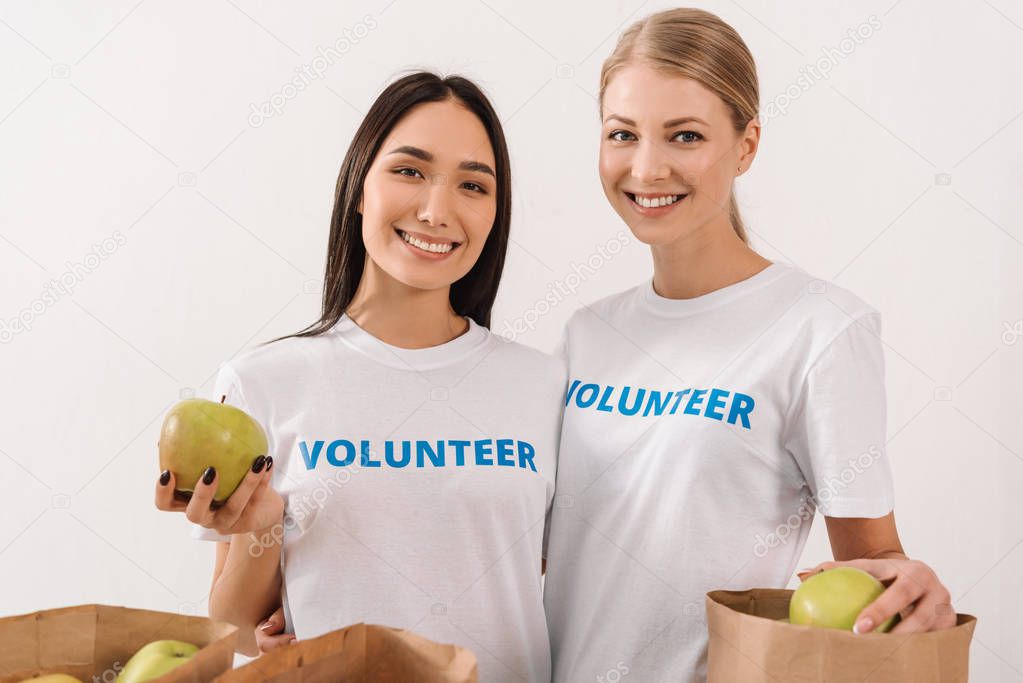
{"x":258,"y":463}
{"x":164,"y":477}
{"x":269,"y":463}
{"x":209,"y":475}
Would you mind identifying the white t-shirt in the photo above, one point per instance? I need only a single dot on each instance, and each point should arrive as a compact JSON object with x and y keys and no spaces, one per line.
{"x":417,"y":484}
{"x":695,"y":433}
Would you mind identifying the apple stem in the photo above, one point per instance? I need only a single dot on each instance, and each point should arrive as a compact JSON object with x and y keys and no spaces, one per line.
{"x":223,"y":397}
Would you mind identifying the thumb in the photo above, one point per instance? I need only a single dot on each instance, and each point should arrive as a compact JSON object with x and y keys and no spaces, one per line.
{"x":804,"y":574}
{"x":271,"y":624}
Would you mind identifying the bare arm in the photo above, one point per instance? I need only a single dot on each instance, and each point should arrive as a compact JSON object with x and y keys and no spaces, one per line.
{"x":247,"y":583}
{"x":247,"y":576}
{"x":862,"y":537}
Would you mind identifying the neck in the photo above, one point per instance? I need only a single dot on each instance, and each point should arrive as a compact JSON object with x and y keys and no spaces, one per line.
{"x":704,"y":261}
{"x":404,"y":316}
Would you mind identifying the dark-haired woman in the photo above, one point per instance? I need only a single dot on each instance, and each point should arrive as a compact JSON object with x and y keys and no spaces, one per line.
{"x":412,"y":452}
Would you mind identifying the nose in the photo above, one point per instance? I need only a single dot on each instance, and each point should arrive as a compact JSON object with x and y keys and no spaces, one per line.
{"x":649,"y":163}
{"x":435,"y":206}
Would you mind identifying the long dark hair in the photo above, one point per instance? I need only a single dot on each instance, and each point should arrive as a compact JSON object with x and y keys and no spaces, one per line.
{"x":473,"y":295}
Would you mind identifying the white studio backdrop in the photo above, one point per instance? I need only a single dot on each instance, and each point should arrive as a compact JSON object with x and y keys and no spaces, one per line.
{"x":166,"y":179}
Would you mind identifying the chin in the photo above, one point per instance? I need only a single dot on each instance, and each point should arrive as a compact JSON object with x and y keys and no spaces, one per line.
{"x":653,"y":234}
{"x":422,"y":281}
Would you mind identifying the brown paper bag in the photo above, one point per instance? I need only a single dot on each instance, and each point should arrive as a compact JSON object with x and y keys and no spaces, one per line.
{"x":360,"y":653}
{"x":748,"y":644}
{"x":93,"y":643}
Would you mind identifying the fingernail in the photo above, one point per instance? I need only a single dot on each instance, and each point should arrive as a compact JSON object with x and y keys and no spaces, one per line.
{"x":209,"y":475}
{"x":864,"y":625}
{"x":269,"y":463}
{"x":258,"y":463}
{"x":265,"y":625}
{"x":164,"y":477}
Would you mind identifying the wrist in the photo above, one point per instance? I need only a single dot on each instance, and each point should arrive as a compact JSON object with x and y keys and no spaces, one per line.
{"x":265,"y":537}
{"x":889,"y":555}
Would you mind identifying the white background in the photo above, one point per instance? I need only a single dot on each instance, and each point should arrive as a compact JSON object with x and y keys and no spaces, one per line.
{"x":898,"y":176}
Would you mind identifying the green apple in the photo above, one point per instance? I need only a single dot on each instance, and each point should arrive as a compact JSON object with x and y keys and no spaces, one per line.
{"x":156,"y":659}
{"x":52,"y":678}
{"x":834,"y":598}
{"x":198,"y":433}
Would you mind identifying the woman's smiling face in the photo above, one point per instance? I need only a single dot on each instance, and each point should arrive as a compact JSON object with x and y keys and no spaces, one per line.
{"x":429,"y":198}
{"x":668,"y":153}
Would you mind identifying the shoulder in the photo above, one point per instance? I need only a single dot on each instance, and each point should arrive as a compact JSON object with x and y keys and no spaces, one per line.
{"x":275,"y":359}
{"x":526,"y":366}
{"x":604,"y":310}
{"x":526,"y":358}
{"x":825,"y":308}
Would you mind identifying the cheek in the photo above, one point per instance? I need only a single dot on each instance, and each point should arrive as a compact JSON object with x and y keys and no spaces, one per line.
{"x":386,"y":202}
{"x":706,"y":172}
{"x":477,"y":221}
{"x":612,"y":166}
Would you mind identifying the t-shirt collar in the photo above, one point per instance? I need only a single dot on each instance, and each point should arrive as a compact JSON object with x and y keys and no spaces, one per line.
{"x":682,"y":307}
{"x":412,"y":359}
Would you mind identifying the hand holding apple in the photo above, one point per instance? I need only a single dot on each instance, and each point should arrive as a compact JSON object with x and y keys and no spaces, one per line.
{"x":219,"y":442}
{"x":254,"y":505}
{"x":914,"y":592}
{"x":197,"y":434}
{"x":833,"y":598}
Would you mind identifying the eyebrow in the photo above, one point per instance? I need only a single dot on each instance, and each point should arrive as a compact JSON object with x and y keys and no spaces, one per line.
{"x":477,"y":166}
{"x":667,"y":124}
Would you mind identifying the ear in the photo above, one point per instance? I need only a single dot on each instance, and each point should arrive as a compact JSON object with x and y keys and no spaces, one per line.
{"x":750,"y":141}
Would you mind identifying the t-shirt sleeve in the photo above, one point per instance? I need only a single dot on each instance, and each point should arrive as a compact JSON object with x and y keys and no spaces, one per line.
{"x":837,"y":427}
{"x":226,"y":385}
{"x":561,"y":355}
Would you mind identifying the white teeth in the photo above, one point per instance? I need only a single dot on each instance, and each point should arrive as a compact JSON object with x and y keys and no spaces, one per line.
{"x":654,"y":202}
{"x":427,"y":246}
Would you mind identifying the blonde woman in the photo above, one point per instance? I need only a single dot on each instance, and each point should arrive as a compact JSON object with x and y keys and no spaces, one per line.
{"x":713,"y":404}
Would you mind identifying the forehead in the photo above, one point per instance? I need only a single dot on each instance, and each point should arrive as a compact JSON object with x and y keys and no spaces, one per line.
{"x":647,"y":95}
{"x":447,"y":129}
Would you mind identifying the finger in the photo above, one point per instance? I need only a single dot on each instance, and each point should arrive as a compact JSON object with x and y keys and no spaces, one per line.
{"x":198,"y":510}
{"x":232,"y":510}
{"x":267,"y":643}
{"x":165,"y":499}
{"x":895,"y":598}
{"x":882,"y":570}
{"x":931,"y":613}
